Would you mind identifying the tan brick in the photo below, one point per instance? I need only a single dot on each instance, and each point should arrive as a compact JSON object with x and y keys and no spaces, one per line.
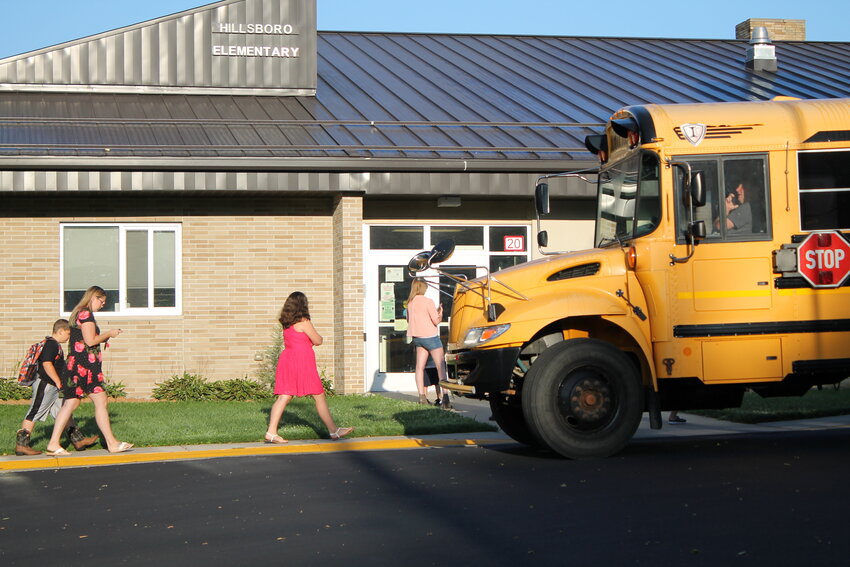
{"x":237,"y":271}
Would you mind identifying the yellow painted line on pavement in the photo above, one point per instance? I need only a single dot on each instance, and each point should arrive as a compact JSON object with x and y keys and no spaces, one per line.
{"x":47,"y":462}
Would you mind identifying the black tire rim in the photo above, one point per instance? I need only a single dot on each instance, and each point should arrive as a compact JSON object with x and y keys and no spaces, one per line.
{"x":587,"y":401}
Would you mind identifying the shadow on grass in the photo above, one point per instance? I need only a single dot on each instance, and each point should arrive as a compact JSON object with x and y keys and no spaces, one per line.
{"x":293,"y":420}
{"x":42,"y":430}
{"x":431,"y":421}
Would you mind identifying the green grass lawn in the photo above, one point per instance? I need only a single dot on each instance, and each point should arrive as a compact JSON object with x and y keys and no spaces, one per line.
{"x":755,"y":409}
{"x":148,"y":424}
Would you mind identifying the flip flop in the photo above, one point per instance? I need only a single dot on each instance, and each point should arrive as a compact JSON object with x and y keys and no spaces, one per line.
{"x":341,"y":432}
{"x":275,"y":439}
{"x":60,"y":452}
{"x":122,"y":447}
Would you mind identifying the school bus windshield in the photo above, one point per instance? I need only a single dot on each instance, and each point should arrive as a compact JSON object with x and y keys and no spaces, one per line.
{"x":629,"y":204}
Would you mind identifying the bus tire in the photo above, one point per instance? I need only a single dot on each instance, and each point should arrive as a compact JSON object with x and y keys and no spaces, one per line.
{"x":512,"y":421}
{"x":583,"y":398}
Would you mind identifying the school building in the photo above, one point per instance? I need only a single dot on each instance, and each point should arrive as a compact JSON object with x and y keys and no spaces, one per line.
{"x":203,"y":165}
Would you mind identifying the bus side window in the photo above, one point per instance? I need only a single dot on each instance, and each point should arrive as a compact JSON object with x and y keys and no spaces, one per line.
{"x":824,"y":198}
{"x":745,"y":207}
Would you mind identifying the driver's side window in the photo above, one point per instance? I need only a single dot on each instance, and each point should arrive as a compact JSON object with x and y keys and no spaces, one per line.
{"x":736,"y":204}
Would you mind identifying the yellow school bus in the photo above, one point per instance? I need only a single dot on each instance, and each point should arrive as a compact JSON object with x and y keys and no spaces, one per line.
{"x":718,"y":266}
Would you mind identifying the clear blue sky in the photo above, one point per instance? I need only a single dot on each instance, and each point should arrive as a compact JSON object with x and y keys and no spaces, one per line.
{"x":34,"y":24}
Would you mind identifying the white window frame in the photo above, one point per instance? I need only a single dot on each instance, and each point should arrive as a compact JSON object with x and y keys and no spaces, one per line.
{"x":123,"y":228}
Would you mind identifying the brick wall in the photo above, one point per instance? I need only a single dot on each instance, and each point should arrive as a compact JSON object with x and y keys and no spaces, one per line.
{"x":238,"y":268}
{"x":348,"y":294}
{"x":779,"y":30}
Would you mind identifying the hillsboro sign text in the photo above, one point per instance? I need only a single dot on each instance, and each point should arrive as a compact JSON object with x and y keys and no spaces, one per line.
{"x":255,"y":30}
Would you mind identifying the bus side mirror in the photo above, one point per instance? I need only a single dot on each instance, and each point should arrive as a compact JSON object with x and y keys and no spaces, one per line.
{"x":541,"y":198}
{"x":543,"y":239}
{"x":441,"y":252}
{"x":698,"y":189}
{"x":698,"y":229}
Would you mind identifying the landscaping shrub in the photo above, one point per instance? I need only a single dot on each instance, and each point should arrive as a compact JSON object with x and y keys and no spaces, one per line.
{"x":270,"y":354}
{"x":240,"y":389}
{"x":115,"y":389}
{"x":327,"y":383}
{"x":195,"y":387}
{"x":11,"y":390}
{"x":183,"y":387}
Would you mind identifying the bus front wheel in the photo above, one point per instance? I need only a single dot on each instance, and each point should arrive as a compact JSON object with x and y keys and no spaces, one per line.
{"x":583,"y":398}
{"x":511,"y":420}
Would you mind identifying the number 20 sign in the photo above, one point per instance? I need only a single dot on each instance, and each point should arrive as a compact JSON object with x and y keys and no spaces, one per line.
{"x":514,"y":244}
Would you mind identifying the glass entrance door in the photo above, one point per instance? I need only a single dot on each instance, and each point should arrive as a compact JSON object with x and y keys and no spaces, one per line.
{"x":389,"y":356}
{"x":393,"y":289}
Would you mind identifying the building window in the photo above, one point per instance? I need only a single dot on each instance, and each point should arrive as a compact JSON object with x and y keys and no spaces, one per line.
{"x":396,"y":237}
{"x":138,"y":265}
{"x":508,"y":246}
{"x":468,"y":237}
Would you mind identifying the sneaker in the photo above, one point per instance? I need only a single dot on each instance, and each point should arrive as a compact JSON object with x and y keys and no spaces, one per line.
{"x":677,"y":420}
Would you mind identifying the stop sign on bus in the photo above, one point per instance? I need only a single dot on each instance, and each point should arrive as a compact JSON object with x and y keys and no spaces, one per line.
{"x":823,"y":258}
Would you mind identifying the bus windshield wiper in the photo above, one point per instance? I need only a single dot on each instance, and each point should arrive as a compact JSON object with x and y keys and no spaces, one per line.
{"x":619,"y":239}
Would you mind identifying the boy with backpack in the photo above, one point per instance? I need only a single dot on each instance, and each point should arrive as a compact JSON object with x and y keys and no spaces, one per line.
{"x":44,"y":371}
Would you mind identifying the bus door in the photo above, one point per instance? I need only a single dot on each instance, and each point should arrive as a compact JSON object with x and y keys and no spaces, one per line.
{"x":726,"y":285}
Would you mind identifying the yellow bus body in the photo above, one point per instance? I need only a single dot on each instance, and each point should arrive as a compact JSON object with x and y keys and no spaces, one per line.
{"x":723,"y":316}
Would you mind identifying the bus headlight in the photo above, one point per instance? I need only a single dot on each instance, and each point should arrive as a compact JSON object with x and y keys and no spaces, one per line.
{"x":480,"y":335}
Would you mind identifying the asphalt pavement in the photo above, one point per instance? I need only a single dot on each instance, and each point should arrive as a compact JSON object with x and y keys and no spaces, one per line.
{"x":696,"y":426}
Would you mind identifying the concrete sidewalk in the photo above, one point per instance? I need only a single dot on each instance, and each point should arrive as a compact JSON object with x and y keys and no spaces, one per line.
{"x":696,"y":426}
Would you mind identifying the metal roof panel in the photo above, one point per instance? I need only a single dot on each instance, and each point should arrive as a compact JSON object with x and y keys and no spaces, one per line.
{"x":424,"y":97}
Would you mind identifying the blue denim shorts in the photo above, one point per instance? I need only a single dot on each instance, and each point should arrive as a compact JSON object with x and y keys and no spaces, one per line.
{"x":430,"y":343}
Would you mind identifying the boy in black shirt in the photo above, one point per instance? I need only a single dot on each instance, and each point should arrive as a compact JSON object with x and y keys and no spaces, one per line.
{"x":45,"y":393}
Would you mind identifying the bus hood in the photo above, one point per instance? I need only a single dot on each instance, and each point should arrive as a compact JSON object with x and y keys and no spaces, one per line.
{"x":539,"y":290}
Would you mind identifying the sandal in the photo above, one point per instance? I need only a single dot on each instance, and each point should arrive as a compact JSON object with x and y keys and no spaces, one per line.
{"x":60,"y":452}
{"x":122,"y":447}
{"x":341,"y":432}
{"x":275,"y":439}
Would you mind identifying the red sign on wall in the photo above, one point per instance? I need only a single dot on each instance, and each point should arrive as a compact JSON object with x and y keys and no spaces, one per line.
{"x":823,"y":258}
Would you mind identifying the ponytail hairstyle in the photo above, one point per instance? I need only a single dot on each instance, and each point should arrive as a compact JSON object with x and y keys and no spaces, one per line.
{"x":294,"y":310}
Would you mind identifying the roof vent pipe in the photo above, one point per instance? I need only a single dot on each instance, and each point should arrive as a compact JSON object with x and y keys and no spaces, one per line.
{"x":761,"y":54}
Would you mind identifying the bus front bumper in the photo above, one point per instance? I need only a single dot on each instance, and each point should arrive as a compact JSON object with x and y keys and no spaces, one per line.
{"x":474,"y":373}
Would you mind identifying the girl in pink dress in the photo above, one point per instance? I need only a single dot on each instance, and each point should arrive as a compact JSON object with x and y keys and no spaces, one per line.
{"x":296,"y":373}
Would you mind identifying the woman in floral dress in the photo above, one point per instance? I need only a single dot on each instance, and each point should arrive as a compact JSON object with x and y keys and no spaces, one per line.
{"x":82,"y":375}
